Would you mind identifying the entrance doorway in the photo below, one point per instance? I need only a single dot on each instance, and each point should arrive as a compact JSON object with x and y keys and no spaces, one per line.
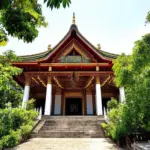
{"x":73,"y":106}
{"x":104,"y":103}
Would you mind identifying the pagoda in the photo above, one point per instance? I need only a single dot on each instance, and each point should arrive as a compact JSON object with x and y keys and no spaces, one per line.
{"x":72,"y":78}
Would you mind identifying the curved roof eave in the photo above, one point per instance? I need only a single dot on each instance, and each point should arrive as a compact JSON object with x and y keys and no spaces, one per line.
{"x":45,"y":55}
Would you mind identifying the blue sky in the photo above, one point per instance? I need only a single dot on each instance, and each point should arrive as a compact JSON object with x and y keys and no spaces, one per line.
{"x":115,"y":24}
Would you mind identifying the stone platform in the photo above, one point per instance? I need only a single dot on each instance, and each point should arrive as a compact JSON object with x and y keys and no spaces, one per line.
{"x":69,"y":127}
{"x":67,"y":144}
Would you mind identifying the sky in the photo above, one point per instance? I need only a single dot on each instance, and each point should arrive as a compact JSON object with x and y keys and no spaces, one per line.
{"x":115,"y":24}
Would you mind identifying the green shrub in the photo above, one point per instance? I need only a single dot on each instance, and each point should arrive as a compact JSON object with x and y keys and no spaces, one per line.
{"x":113,"y":128}
{"x":112,"y":104}
{"x":25,"y":131}
{"x":104,"y":125}
{"x":1,"y":144}
{"x":10,"y":140}
{"x":15,"y":125}
{"x":30,"y":104}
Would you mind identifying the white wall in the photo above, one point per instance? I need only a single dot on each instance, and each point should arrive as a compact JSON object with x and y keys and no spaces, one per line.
{"x":89,"y":104}
{"x":57,"y":107}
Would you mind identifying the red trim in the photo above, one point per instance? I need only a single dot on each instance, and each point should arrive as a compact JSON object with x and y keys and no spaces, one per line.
{"x":93,"y":51}
{"x":73,"y":34}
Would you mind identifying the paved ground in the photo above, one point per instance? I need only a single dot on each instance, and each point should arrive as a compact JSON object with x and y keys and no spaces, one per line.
{"x":68,"y":144}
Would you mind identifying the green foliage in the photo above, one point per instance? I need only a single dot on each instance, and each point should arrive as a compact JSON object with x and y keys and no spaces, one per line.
{"x":122,"y":69}
{"x":112,"y":104}
{"x":11,"y":139}
{"x":133,"y":73}
{"x":25,"y":131}
{"x":30,"y":104}
{"x":104,"y":125}
{"x":120,"y":124}
{"x":10,"y":91}
{"x":22,"y":18}
{"x":56,"y":3}
{"x":148,"y":18}
{"x":3,"y":38}
{"x":15,"y":125}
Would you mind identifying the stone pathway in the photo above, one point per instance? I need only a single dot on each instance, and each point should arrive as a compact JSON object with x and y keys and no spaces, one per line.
{"x":68,"y":144}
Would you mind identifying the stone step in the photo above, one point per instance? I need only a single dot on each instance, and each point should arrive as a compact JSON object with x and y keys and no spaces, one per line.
{"x":63,"y":134}
{"x":72,"y":117}
{"x":71,"y":124}
{"x":70,"y":127}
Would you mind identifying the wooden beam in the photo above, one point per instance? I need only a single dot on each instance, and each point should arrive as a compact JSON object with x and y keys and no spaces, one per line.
{"x":24,"y":63}
{"x":89,"y":82}
{"x":75,"y":64}
{"x":69,"y":73}
{"x":58,"y":82}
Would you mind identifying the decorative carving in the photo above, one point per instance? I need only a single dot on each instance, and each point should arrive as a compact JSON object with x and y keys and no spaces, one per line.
{"x":58,"y":83}
{"x":74,"y":59}
{"x":74,"y":79}
{"x":105,"y":81}
{"x":74,"y":19}
{"x":49,"y":47}
{"x":111,"y":80}
{"x":99,"y":46}
{"x":89,"y":82}
{"x":41,"y":81}
{"x":35,"y":80}
{"x":74,"y":45}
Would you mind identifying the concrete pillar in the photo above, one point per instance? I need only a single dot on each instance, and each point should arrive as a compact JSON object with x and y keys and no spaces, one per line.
{"x":98,"y":97}
{"x":57,"y":107}
{"x":89,"y":103}
{"x":25,"y":96}
{"x":48,"y":101}
{"x":121,"y":94}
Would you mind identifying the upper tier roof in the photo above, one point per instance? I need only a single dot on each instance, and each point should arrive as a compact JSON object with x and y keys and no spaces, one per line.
{"x":42,"y":57}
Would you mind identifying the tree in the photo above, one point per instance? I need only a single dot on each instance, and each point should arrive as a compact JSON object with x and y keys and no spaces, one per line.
{"x":133,"y":73}
{"x":22,"y":18}
{"x":148,"y":18}
{"x":10,"y":91}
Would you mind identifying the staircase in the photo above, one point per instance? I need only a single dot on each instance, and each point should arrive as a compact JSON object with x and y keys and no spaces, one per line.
{"x":69,"y":127}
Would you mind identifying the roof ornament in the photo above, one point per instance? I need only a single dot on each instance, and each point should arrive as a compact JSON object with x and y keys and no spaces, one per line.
{"x":99,"y":46}
{"x":74,"y":19}
{"x":49,"y":47}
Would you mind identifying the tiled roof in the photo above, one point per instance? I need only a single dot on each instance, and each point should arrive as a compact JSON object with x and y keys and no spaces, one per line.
{"x":44,"y":55}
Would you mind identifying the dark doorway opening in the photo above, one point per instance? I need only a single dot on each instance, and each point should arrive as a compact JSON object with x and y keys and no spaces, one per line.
{"x":104,"y":103}
{"x":40,"y":103}
{"x":74,"y":106}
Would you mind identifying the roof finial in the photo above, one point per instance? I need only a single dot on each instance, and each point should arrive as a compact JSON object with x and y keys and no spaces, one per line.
{"x":74,"y":19}
{"x":99,"y":46}
{"x":49,"y":47}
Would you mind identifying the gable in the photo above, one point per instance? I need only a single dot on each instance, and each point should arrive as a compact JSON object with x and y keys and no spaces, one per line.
{"x":73,"y":52}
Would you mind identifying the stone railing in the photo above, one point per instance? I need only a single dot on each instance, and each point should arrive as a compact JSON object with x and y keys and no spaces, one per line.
{"x":105,"y":115}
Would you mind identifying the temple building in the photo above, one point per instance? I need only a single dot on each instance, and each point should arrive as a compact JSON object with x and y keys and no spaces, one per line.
{"x":72,"y":78}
